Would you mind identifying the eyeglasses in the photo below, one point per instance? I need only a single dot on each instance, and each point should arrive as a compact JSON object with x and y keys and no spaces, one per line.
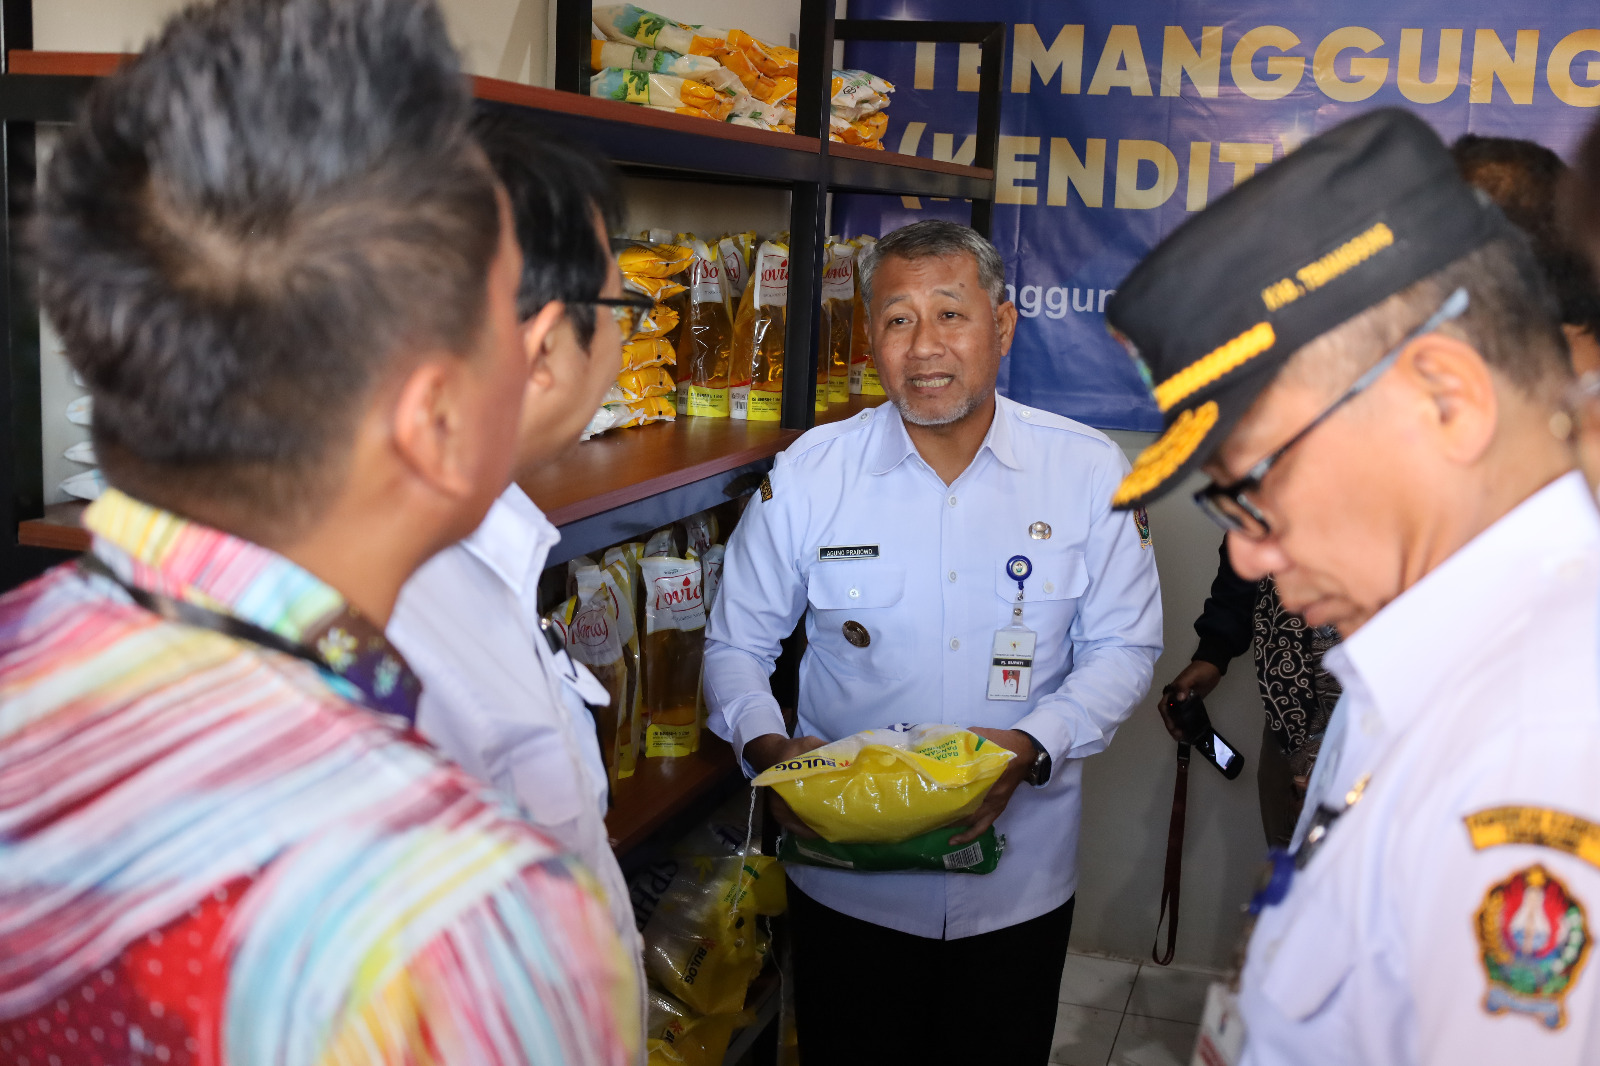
{"x":631,"y":311}
{"x":1230,"y":506}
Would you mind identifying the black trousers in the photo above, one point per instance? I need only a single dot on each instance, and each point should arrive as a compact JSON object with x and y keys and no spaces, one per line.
{"x":869,"y":995}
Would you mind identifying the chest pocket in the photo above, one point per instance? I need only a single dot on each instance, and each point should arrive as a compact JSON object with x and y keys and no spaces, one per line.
{"x":1314,"y":954}
{"x":860,"y":598}
{"x":1061,"y":575}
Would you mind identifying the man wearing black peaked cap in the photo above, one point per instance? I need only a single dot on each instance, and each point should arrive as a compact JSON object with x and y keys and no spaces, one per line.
{"x":1360,"y":353}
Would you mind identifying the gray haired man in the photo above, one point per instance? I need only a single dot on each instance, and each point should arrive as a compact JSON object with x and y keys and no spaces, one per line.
{"x":891,"y":534}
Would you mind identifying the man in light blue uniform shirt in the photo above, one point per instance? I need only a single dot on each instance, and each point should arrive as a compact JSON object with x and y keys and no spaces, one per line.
{"x":890,"y":533}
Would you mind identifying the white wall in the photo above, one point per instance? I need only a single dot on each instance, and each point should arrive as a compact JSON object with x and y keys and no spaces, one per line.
{"x":1128,"y":788}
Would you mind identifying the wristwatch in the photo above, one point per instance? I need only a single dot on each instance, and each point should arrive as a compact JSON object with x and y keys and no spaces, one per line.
{"x":1039,"y":772}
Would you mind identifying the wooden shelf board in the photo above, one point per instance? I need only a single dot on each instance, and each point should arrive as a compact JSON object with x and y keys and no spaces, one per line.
{"x":540,"y":99}
{"x":907,"y":162}
{"x":61,"y":527}
{"x":628,"y":465}
{"x":855,"y":405}
{"x":79,"y":64}
{"x":660,"y":788}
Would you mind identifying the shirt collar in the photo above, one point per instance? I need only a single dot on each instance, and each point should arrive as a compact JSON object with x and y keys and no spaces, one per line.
{"x":171,"y":556}
{"x":514,"y":540}
{"x":894,"y":444}
{"x":1445,"y":619}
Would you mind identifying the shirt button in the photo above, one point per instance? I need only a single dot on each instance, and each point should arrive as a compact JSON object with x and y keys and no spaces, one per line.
{"x":855,"y":594}
{"x":952,"y":501}
{"x":1049,"y":587}
{"x":955,"y":644}
{"x":1026,"y":412}
{"x":952,"y":575}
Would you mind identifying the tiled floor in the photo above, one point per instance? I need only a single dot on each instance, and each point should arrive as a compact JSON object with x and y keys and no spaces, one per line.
{"x":1119,"y":1013}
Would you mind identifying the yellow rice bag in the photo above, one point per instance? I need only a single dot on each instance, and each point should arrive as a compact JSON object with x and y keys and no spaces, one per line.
{"x":677,"y":1035}
{"x":654,"y":260}
{"x":883,"y":786}
{"x":638,"y":385}
{"x":643,"y":412}
{"x":702,"y":943}
{"x":637,"y":355}
{"x":658,"y":289}
{"x":658,"y":322}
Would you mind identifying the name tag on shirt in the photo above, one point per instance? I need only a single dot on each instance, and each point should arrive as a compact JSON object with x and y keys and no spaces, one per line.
{"x":848,"y":551}
{"x":1011,"y":669}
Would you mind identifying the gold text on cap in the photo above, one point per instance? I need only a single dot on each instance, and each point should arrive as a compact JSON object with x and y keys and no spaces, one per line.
{"x":1039,"y":531}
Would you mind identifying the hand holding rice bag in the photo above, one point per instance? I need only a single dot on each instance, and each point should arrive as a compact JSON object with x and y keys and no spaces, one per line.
{"x":888,"y":785}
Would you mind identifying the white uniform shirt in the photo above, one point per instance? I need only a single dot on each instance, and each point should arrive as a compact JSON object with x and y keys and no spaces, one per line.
{"x":498,"y":701}
{"x":931,"y":600}
{"x":1476,"y":690}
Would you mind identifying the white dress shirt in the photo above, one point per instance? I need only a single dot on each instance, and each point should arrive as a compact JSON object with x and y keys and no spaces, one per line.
{"x":498,"y":701}
{"x":1476,"y":689}
{"x":931,"y":594}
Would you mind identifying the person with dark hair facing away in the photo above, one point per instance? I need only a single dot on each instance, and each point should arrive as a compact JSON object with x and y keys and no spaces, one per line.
{"x":1363,"y":355}
{"x":1524,"y":179}
{"x":500,"y":700}
{"x":283,"y":267}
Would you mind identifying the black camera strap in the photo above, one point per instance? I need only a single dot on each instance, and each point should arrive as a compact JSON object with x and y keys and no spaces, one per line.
{"x":1172,"y":877}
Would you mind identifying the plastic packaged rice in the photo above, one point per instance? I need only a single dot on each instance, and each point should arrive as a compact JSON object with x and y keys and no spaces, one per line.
{"x":658,"y":322}
{"x":635,"y":25}
{"x":659,"y":90}
{"x":639,"y":385}
{"x":637,"y":355}
{"x":653,"y":260}
{"x":658,"y":289}
{"x":927,"y":851}
{"x":884,"y":786}
{"x":702,"y":943}
{"x":617,"y":56}
{"x":641,"y":412}
{"x":676,"y":1035}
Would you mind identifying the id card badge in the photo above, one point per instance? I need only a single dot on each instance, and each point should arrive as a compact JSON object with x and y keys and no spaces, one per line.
{"x":1222,"y":1033}
{"x":1011,"y":667}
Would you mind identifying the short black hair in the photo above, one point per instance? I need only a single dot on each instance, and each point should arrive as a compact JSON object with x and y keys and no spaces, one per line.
{"x":1524,"y":179}
{"x":556,"y":189}
{"x":253,"y":223}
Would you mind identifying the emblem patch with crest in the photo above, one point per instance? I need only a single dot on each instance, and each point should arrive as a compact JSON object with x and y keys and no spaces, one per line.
{"x":1534,"y":939}
{"x":1141,"y":522}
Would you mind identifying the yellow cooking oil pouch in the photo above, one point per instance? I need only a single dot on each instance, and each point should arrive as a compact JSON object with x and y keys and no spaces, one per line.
{"x":888,"y":785}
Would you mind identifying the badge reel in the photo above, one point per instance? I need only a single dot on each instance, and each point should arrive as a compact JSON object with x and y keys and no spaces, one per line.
{"x":1011,"y":668}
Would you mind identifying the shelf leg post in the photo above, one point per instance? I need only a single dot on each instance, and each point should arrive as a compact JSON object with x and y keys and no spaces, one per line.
{"x":808,"y":207}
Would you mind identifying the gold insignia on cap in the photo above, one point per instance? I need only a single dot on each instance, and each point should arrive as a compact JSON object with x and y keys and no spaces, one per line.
{"x":1211,"y":366}
{"x":1174,"y":447}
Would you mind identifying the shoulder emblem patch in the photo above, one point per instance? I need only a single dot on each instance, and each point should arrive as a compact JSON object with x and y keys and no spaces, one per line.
{"x":1547,"y":828}
{"x":1141,"y":522}
{"x":1534,"y":939}
{"x":766,"y":488}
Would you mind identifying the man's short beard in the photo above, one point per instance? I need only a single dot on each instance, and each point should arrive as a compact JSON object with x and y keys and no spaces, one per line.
{"x":973,"y":402}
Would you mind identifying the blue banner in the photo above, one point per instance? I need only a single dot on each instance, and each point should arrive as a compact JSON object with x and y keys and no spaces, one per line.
{"x":1121,"y":120}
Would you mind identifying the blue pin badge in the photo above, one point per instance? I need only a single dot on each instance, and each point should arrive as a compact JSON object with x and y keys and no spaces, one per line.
{"x":1019,"y":568}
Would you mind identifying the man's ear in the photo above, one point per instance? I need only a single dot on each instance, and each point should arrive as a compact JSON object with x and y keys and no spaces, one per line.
{"x":1459,"y":391}
{"x":1005,"y":319}
{"x":430,"y":424}
{"x":538,"y":338}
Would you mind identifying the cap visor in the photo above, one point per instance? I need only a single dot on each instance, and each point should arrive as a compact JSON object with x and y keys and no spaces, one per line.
{"x":1184,"y":446}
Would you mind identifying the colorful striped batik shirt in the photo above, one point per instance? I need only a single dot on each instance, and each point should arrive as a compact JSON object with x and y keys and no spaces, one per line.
{"x":212,"y":852}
